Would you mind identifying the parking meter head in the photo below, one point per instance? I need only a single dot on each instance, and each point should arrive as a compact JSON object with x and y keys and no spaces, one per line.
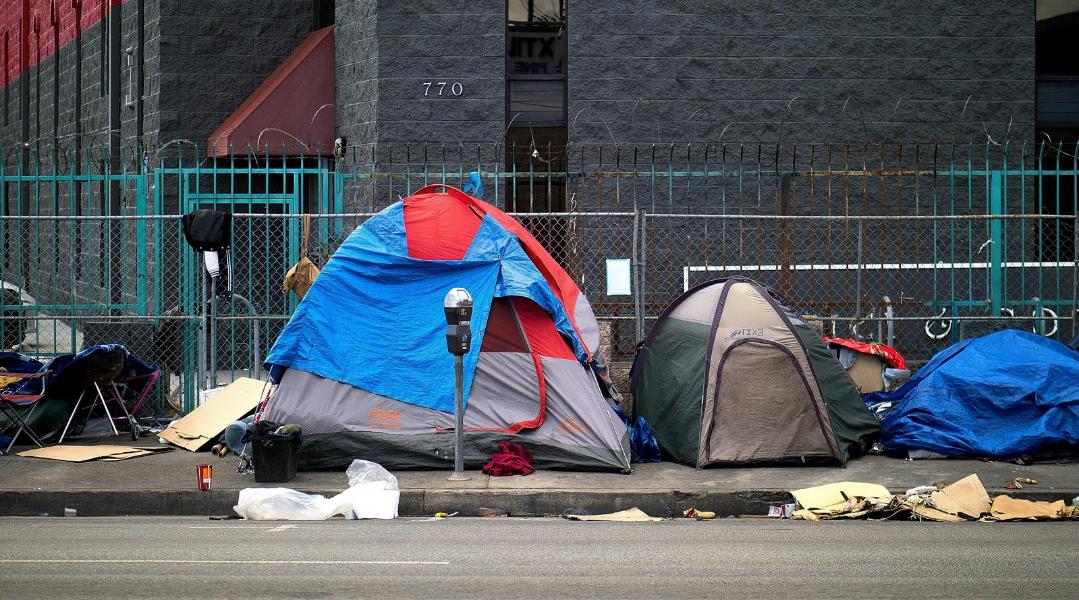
{"x":457,"y":306}
{"x":458,"y":310}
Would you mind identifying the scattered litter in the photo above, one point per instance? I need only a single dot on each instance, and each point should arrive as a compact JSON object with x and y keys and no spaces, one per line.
{"x":783,"y":511}
{"x":832,"y":494}
{"x":70,"y":512}
{"x":373,"y":493}
{"x":491,"y":513}
{"x":440,"y":516}
{"x":226,"y":518}
{"x":1006,"y":508}
{"x":230,"y":403}
{"x":1026,"y":480}
{"x":632,"y":515}
{"x":964,"y":500}
{"x":700,"y":515}
{"x":109,"y":453}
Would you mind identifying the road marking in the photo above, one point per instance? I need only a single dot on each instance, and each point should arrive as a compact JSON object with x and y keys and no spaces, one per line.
{"x":215,"y":562}
{"x":281,"y":528}
{"x":225,"y":527}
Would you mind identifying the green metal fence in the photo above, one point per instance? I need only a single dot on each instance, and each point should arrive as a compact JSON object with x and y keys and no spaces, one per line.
{"x":917,"y":245}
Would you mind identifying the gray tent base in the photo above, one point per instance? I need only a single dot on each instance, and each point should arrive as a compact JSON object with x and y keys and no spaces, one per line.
{"x":336,"y":451}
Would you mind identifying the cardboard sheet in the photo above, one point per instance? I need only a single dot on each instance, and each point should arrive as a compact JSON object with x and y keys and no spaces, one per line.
{"x":966,"y":498}
{"x":69,"y":453}
{"x":1006,"y":508}
{"x":867,"y":373}
{"x":632,"y":515}
{"x":825,"y":496}
{"x":206,"y":422}
{"x":933,"y":514}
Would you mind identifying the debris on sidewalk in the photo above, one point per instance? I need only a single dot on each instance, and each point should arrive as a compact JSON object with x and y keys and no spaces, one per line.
{"x":964,"y":500}
{"x":373,"y":493}
{"x":1019,"y":482}
{"x":632,"y":515}
{"x":202,"y":425}
{"x":834,"y":494}
{"x":783,"y":511}
{"x":1006,"y":508}
{"x":700,"y":515}
{"x":108,"y":453}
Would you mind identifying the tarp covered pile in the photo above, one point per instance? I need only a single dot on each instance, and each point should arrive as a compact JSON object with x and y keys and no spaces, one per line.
{"x":1005,"y":395}
{"x":964,"y":500}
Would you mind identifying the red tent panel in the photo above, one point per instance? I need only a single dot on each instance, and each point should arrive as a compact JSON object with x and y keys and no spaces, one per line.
{"x":502,"y":333}
{"x":438,"y":230}
{"x":540,"y":330}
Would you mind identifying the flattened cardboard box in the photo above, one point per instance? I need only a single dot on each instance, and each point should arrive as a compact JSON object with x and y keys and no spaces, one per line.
{"x":109,"y":453}
{"x":206,"y":422}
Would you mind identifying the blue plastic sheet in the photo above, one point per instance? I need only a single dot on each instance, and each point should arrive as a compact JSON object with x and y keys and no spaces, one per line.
{"x":643,"y":445}
{"x":1007,"y":394}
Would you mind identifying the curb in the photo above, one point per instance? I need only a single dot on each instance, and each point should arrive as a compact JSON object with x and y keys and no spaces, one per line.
{"x":416,"y":503}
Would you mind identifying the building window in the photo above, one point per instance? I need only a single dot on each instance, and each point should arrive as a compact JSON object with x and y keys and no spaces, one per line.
{"x":536,"y":134}
{"x":322,"y":13}
{"x":1057,"y":118}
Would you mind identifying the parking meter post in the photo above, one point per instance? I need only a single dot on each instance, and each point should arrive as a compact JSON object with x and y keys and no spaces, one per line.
{"x":457,"y":307}
{"x":459,"y":420}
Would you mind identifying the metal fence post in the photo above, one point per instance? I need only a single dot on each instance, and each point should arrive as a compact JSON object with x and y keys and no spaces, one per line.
{"x":635,"y":256}
{"x":858,"y":275}
{"x":643,"y":275}
{"x":996,"y":246}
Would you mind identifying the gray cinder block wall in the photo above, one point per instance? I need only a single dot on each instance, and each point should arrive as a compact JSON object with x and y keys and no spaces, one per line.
{"x":662,"y":71}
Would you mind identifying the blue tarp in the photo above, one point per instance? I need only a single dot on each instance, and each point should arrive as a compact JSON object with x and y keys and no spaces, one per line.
{"x":1004,"y":395}
{"x":67,"y":366}
{"x":374,"y":318}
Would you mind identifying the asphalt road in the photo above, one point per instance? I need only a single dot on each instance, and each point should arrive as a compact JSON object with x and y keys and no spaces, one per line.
{"x":158,"y":558}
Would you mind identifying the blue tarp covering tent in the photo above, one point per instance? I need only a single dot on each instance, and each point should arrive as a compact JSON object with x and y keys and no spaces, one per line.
{"x":393,"y":301}
{"x":1004,"y":395}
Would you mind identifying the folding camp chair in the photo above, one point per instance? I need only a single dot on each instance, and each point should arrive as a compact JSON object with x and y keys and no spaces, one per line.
{"x":130,"y":393}
{"x":99,"y":396}
{"x":20,"y":407}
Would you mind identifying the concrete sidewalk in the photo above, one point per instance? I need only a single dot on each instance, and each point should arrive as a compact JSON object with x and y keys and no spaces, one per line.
{"x":164,"y":484}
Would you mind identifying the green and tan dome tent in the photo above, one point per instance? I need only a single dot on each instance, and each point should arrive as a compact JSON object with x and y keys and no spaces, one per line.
{"x":731,"y":375}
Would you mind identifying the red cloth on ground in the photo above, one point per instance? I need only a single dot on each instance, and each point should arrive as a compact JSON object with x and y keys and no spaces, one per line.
{"x":888,"y":354}
{"x":511,"y":459}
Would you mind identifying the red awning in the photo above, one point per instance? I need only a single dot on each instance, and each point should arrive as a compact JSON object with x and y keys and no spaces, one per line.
{"x":292,"y":110}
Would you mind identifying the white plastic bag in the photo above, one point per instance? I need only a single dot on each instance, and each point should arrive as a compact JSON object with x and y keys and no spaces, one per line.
{"x":276,"y":504}
{"x":365,"y":471}
{"x":372,"y":494}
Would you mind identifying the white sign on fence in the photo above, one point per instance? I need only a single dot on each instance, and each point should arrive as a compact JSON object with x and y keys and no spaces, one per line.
{"x":618,"y":277}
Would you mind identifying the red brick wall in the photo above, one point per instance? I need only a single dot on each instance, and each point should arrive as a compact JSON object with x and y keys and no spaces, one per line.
{"x":30,"y":25}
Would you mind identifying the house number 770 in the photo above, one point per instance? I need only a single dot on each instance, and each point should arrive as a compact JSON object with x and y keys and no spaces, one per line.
{"x":436,"y":88}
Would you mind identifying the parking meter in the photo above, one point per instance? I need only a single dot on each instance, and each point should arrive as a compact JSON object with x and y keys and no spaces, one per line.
{"x":458,"y":310}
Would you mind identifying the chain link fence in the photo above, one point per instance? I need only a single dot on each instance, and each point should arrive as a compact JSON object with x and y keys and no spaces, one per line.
{"x":915,"y":283}
{"x":917,"y":248}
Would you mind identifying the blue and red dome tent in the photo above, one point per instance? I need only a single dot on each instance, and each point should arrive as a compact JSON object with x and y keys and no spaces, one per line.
{"x":362,"y":365}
